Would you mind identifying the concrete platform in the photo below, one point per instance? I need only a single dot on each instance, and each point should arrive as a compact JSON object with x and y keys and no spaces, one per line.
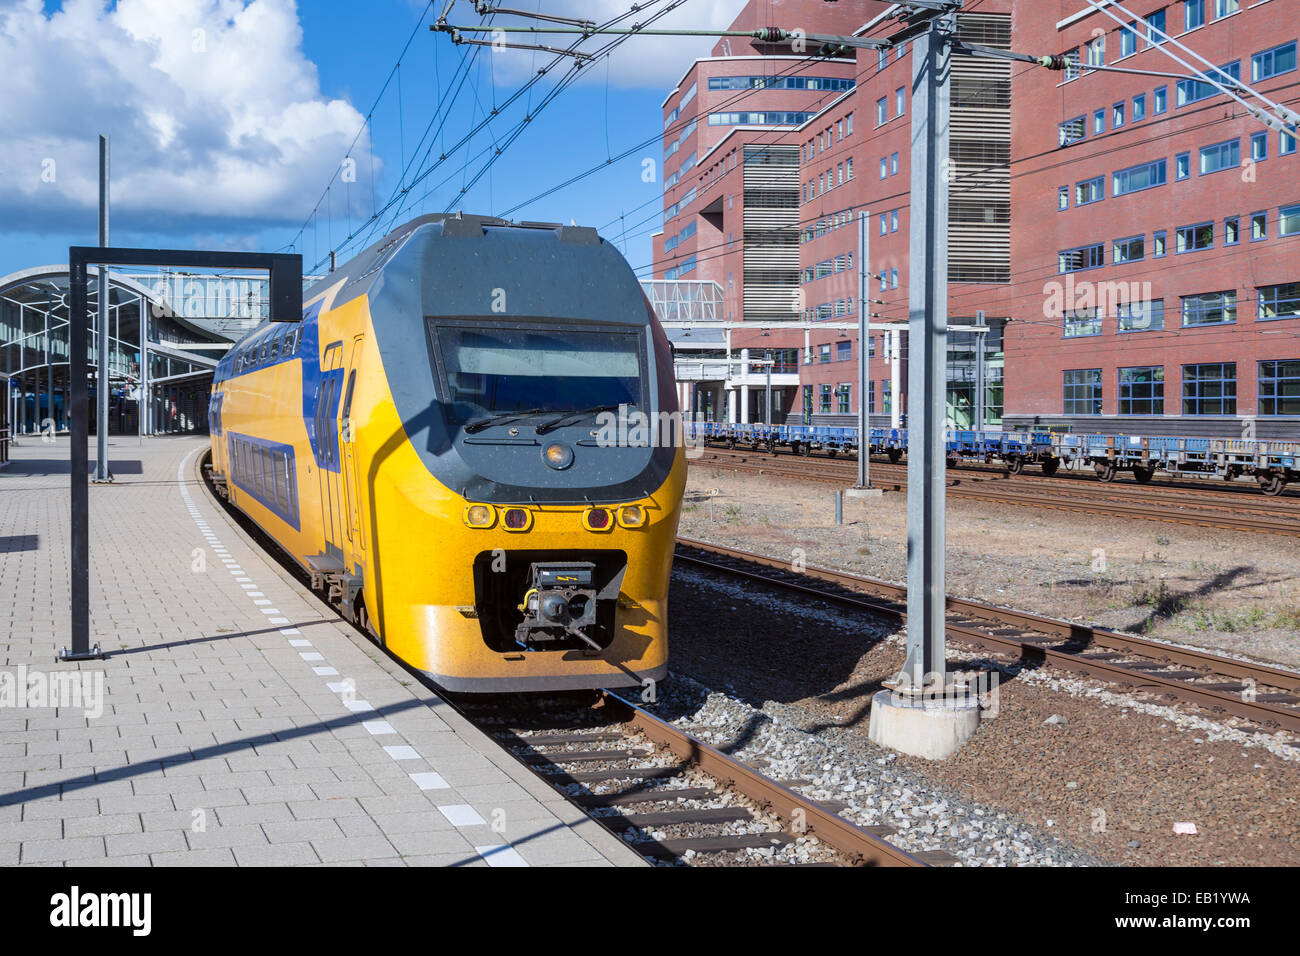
{"x":240,"y":723}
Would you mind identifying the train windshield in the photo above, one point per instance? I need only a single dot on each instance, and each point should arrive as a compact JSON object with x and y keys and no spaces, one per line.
{"x":533,"y":370}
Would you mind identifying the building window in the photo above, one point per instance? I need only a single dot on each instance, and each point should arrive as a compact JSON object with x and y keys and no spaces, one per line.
{"x":1280,"y":59}
{"x":1232,"y":230}
{"x":884,"y":167}
{"x":842,"y":394}
{"x":1130,"y":250}
{"x":882,"y":110}
{"x":1258,"y":226}
{"x":1142,"y":390}
{"x":893,"y":164}
{"x":1195,"y":238}
{"x":825,"y":403}
{"x":893,"y":220}
{"x":824,"y":352}
{"x":1128,"y":39}
{"x":1286,"y":142}
{"x":882,"y":60}
{"x":1156,"y":28}
{"x":1225,"y":155}
{"x":1084,"y":257}
{"x":1082,"y":391}
{"x":1141,"y":316}
{"x":1082,"y":322}
{"x":1117,"y":115}
{"x":848,"y":168}
{"x":848,"y":125}
{"x":1090,"y":191}
{"x":1063,"y":198}
{"x":843,"y":351}
{"x":1224,"y":7}
{"x":807,"y":404}
{"x":884,"y":223}
{"x":1097,"y":51}
{"x":1136,"y":178}
{"x":1279,"y":301}
{"x":1259,"y":146}
{"x":1158,"y":244}
{"x":1071,"y":58}
{"x":1098,"y":122}
{"x":1139,"y":107}
{"x":1071,"y":131}
{"x":893,"y":278}
{"x":1210,"y":308}
{"x":900,"y":101}
{"x":1279,"y":387}
{"x":1160,"y":100}
{"x":1288,"y":221}
{"x":1193,"y":14}
{"x":1210,"y":389}
{"x":1189,"y":91}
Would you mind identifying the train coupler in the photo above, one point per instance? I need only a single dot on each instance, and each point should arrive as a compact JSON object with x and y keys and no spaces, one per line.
{"x":561,"y":600}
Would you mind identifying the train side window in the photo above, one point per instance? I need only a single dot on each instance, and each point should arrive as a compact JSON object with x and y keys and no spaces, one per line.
{"x":273,"y":348}
{"x":262,"y":353}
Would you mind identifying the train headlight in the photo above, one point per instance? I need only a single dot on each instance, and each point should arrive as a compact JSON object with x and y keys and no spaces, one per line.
{"x":517,"y":519}
{"x":558,"y":456}
{"x":597,"y":519}
{"x":631,"y":516}
{"x":480,"y":516}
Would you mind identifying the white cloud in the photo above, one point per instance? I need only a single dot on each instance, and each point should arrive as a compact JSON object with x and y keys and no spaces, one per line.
{"x":641,"y":61}
{"x":215,"y":113}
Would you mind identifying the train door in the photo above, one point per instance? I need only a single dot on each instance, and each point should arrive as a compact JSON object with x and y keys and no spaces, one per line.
{"x":352,"y":483}
{"x":327,"y":431}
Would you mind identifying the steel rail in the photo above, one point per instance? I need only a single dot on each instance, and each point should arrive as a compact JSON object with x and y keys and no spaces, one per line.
{"x":1265,"y":713}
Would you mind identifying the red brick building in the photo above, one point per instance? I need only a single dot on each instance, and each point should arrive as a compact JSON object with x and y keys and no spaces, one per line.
{"x":1077,"y":197}
{"x":1132,"y":189}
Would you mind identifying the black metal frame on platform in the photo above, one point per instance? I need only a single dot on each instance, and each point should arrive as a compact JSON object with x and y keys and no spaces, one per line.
{"x":285,"y":306}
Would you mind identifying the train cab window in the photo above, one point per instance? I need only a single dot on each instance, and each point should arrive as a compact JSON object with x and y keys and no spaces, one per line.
{"x":273,"y":348}
{"x":491,"y":371}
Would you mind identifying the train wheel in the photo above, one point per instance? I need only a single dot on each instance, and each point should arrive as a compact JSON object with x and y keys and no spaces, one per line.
{"x":731,"y":444}
{"x":830,"y":452}
{"x":804,"y":450}
{"x":1272,"y":485}
{"x":1232,"y":473}
{"x":1050,"y":465}
{"x":951,"y":461}
{"x":776,"y":449}
{"x":1105,"y":470}
{"x":1142,"y":475}
{"x":1015,"y":464}
{"x":895,"y":455}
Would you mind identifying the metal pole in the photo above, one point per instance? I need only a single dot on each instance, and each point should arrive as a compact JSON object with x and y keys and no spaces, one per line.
{"x":927,"y":357}
{"x":79,"y":576}
{"x":895,"y":379}
{"x":980,"y":339}
{"x":101,"y":379}
{"x":139,"y":401}
{"x":767,"y":388}
{"x":864,"y":359}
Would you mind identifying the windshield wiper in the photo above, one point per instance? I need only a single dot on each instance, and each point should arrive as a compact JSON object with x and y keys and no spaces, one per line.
{"x":481,"y":423}
{"x":554,"y":423}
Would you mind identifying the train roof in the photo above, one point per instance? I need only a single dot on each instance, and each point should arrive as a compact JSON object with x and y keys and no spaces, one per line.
{"x":359,"y":272}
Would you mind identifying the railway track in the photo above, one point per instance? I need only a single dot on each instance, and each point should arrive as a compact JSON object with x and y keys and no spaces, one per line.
{"x":1222,"y":515}
{"x":675,"y":799}
{"x":638,"y":774}
{"x":1269,"y":697}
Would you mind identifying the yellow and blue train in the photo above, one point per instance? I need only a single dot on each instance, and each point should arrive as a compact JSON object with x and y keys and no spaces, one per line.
{"x":429,"y":445}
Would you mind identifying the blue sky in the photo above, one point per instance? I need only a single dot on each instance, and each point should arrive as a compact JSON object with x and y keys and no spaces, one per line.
{"x":229,"y":117}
